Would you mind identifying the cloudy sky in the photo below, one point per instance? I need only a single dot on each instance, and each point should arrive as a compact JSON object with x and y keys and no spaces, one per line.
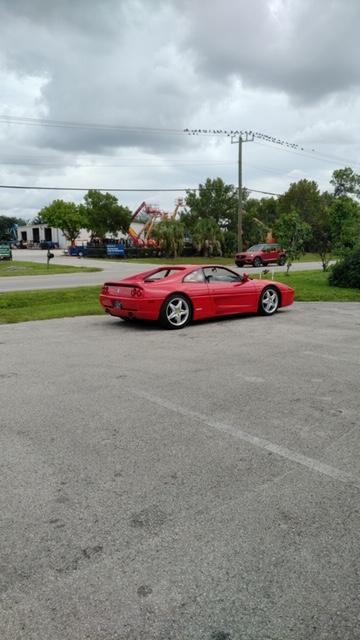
{"x":97,"y":94}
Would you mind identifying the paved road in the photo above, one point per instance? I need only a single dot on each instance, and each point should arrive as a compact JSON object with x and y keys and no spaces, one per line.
{"x":193,"y":485}
{"x":111,"y":270}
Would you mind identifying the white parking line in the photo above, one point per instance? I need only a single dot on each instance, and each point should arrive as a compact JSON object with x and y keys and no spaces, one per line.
{"x":261,"y":443}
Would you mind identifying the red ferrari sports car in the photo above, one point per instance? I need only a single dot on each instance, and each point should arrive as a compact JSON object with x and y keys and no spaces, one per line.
{"x":175,"y":295}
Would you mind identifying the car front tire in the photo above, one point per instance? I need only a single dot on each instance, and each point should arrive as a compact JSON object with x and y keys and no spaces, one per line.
{"x":269,"y":301}
{"x":176,"y":312}
{"x":257,"y":262}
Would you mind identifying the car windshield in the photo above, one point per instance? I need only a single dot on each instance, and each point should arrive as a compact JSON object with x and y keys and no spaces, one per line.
{"x":256,"y":247}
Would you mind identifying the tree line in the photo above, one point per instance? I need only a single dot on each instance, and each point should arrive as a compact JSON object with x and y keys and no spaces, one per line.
{"x":302,"y":219}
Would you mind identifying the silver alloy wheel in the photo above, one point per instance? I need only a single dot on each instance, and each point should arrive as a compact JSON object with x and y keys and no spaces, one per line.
{"x":269,"y":301}
{"x":177,"y":312}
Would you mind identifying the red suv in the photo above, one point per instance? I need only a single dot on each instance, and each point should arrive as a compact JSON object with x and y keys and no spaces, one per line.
{"x":261,"y":254}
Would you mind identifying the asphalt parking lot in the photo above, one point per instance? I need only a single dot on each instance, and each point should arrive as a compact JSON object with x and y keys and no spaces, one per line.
{"x":193,"y":485}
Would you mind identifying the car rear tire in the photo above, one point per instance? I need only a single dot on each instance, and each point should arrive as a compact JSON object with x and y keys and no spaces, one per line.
{"x":257,"y":262}
{"x":282,"y":261}
{"x":176,"y":312}
{"x":269,"y":301}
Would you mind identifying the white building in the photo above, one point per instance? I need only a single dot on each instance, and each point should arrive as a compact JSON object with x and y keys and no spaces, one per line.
{"x":32,"y":235}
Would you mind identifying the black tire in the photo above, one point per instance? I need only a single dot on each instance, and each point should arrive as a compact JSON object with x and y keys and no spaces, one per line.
{"x":257,"y":262}
{"x":269,"y":301}
{"x":176,"y":312}
{"x":282,"y":261}
{"x":239,"y":264}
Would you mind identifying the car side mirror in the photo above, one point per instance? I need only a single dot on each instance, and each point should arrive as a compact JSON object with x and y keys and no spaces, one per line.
{"x":245,"y":277}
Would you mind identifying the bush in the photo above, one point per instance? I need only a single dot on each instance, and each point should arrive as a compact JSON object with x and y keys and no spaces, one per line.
{"x":346,"y":272}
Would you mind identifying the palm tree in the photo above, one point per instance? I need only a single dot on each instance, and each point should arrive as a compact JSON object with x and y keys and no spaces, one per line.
{"x":170,"y":236}
{"x":207,"y":236}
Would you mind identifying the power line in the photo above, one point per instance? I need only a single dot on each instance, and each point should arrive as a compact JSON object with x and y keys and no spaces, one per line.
{"x":16,"y":186}
{"x":68,"y":124}
{"x":268,"y":193}
{"x":149,"y":165}
{"x":207,"y":132}
{"x":316,"y":155}
{"x":151,"y":189}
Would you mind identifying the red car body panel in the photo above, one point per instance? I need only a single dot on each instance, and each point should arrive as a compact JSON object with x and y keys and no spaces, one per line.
{"x":137,"y":297}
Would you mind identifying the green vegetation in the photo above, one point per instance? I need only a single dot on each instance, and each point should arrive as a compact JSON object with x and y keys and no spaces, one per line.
{"x":66,"y":216}
{"x":303,"y":219}
{"x":346,"y":273}
{"x":313,"y":286}
{"x":169,"y":235}
{"x":20,"y":268}
{"x":229,"y":260}
{"x":8,"y":227}
{"x":100,"y":213}
{"x":182,"y":260}
{"x":21,"y":306}
{"x":292,"y":233}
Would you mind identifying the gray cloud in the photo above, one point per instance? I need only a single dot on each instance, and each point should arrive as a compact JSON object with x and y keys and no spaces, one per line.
{"x":284,"y":67}
{"x":306,"y":50}
{"x":155,"y":63}
{"x":125,"y":69}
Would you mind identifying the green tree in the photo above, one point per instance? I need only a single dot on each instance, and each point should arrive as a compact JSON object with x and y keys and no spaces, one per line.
{"x":323,"y":240}
{"x":268,"y":211}
{"x":344,"y":214}
{"x":346,"y":272}
{"x":345,"y":182}
{"x":38,"y":219}
{"x":216,"y":200}
{"x":265,"y":209}
{"x":104,"y":214}
{"x":304,"y":198}
{"x":66,"y":216}
{"x":258,"y":220}
{"x":170,"y":236}
{"x":229,"y":242}
{"x":8,"y":226}
{"x":292,"y":232}
{"x":207,"y":236}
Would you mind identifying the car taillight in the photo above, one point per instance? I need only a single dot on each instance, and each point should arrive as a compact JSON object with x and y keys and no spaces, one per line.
{"x":105,"y":290}
{"x":136,"y":292}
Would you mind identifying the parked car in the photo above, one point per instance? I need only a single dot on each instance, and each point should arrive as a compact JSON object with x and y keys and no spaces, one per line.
{"x":5,"y":251}
{"x":76,"y":250}
{"x":49,"y":244}
{"x":175,"y":295}
{"x":261,"y":254}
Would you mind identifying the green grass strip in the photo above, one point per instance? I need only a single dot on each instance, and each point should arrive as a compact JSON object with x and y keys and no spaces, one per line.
{"x":13,"y":268}
{"x":44,"y":304}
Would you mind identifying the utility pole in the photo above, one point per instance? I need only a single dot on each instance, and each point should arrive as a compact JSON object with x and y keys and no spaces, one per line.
{"x":245,"y":136}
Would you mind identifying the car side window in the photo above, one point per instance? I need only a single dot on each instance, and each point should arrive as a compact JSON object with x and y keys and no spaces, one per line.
{"x":159,"y":275}
{"x":195,"y":276}
{"x":221,"y":275}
